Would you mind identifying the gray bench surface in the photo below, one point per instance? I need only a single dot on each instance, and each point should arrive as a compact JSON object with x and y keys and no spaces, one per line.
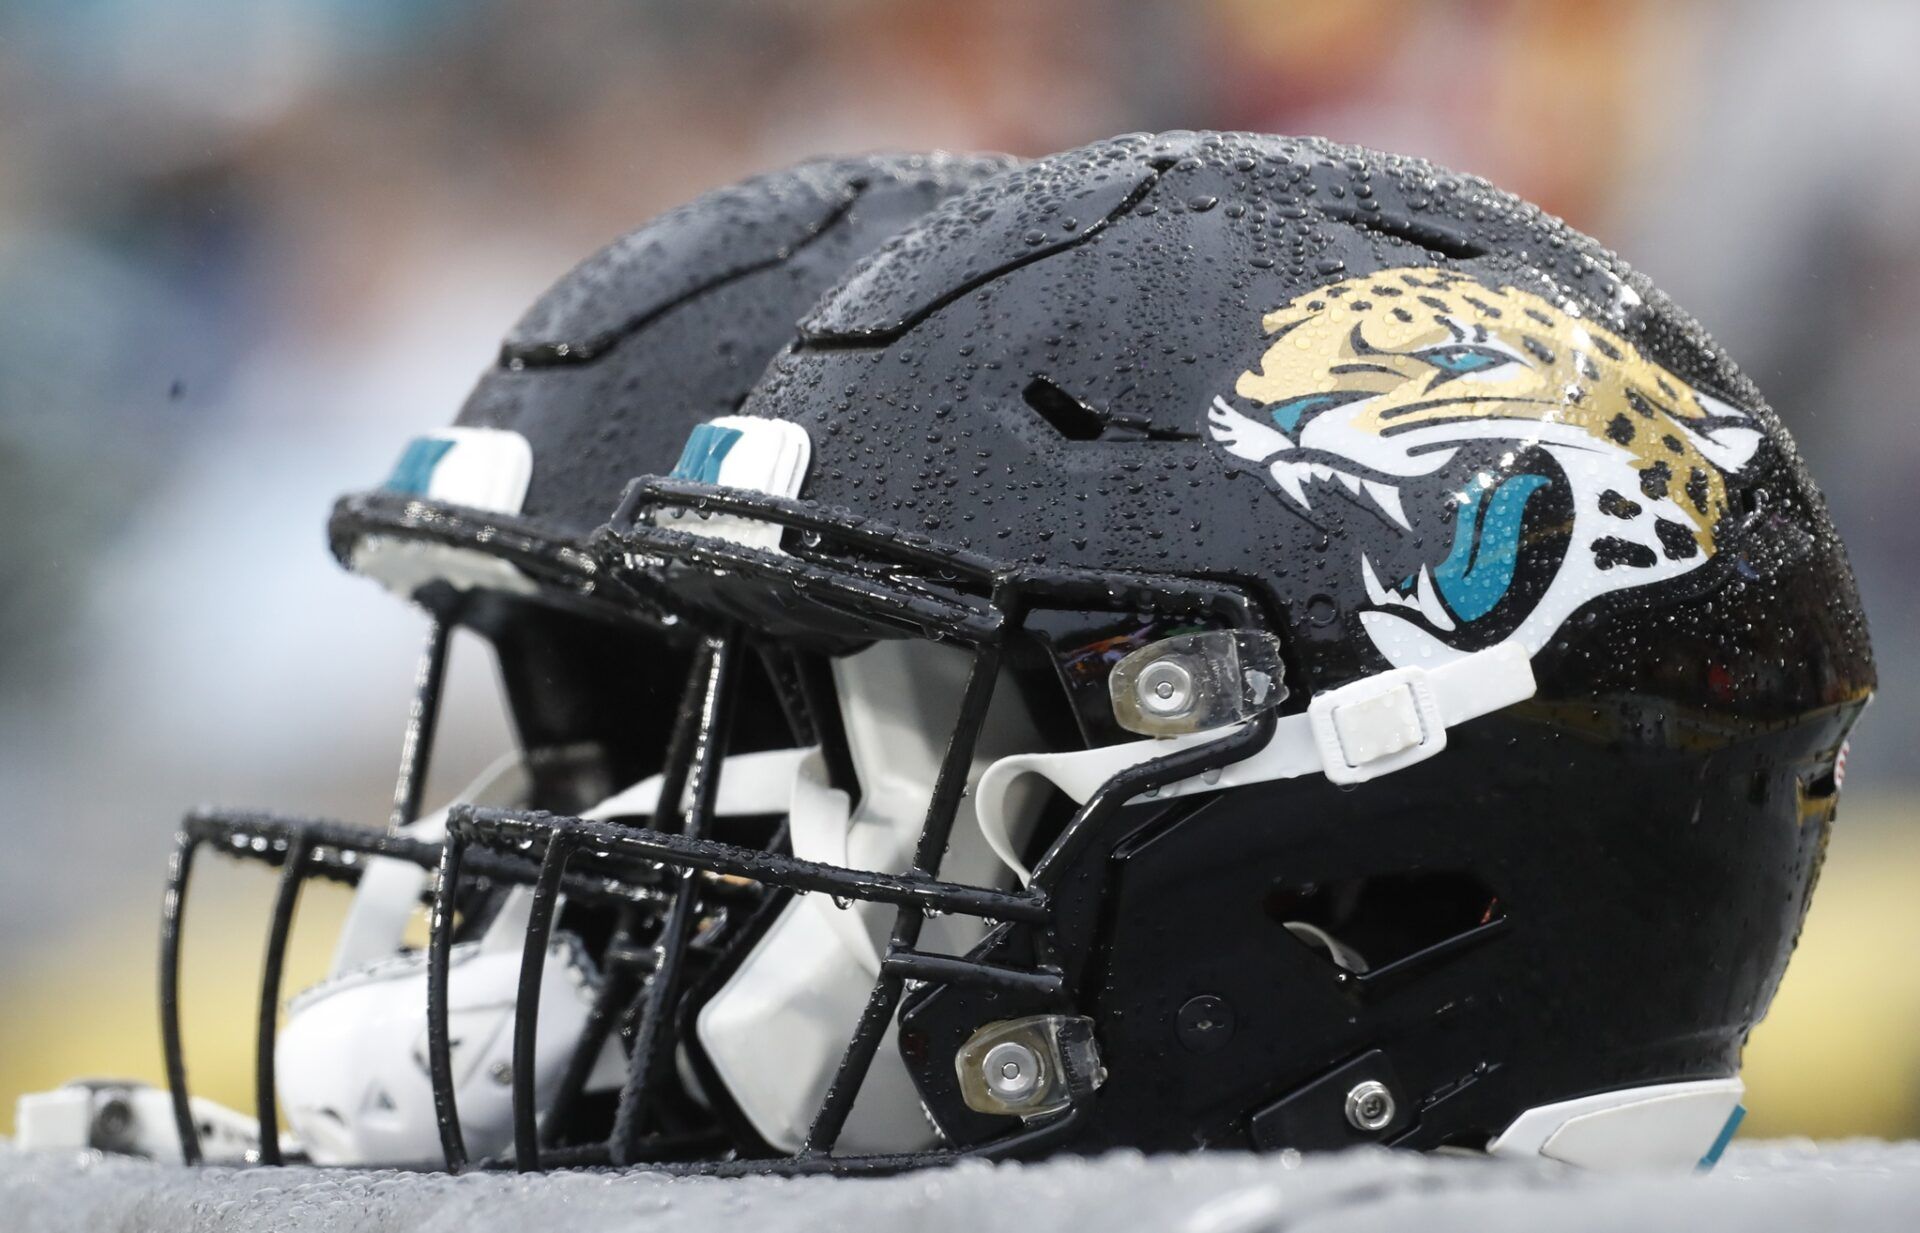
{"x":1761,"y":1186}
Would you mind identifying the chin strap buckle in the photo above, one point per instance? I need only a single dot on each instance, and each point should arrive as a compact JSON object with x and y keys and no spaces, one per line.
{"x":1377,"y":724}
{"x":1381,"y":723}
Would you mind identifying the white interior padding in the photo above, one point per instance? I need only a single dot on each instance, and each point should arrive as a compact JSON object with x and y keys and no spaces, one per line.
{"x":389,"y":890}
{"x":776,"y":1031}
{"x":351,"y":1062}
{"x":352,"y":1059}
{"x":352,"y":1056}
{"x":403,"y":566}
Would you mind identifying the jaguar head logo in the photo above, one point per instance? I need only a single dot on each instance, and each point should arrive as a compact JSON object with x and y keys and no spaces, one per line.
{"x":1514,"y":459}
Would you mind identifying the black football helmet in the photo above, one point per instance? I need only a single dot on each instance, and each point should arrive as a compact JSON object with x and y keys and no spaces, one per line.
{"x":1322,"y":653}
{"x":484,"y":525}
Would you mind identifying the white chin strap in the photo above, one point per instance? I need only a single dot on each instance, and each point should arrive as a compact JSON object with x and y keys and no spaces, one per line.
{"x":1371,"y":727}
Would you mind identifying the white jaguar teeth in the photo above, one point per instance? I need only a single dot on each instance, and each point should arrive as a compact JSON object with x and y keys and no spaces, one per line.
{"x":1429,"y":603}
{"x":1387,"y":497}
{"x":1287,"y":475}
{"x":1292,"y":478}
{"x":1423,"y":600}
{"x":1376,"y":594}
{"x":1379,"y":595}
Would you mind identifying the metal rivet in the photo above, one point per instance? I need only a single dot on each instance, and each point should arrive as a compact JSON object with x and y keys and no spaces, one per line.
{"x":1165,"y":688}
{"x":501,"y":1073}
{"x":1370,"y":1105}
{"x":1012,"y":1071}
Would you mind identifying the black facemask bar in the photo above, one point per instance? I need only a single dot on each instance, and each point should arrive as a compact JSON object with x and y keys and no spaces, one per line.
{"x":642,"y":875}
{"x":564,"y":568}
{"x":304,"y":848}
{"x":300,"y":848}
{"x":901,"y":582}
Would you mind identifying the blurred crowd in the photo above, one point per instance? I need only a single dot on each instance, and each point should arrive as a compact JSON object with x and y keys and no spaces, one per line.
{"x":248,"y":247}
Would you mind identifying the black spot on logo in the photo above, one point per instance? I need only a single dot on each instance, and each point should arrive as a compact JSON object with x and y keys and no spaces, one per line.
{"x":1620,"y":431}
{"x":1617,"y":506}
{"x":1644,"y":405}
{"x":1697,"y":489}
{"x":1655,"y":479}
{"x":1609,"y":552}
{"x":1671,"y":442}
{"x":1675,"y":540}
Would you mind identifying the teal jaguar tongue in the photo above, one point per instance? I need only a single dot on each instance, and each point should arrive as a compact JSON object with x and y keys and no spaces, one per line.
{"x":1479,"y":569}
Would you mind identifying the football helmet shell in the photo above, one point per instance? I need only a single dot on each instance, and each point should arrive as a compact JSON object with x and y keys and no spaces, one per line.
{"x":1571,"y":649}
{"x":1431,"y":661}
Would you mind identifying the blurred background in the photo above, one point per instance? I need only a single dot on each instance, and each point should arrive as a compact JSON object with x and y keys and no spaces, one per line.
{"x":249,"y":247}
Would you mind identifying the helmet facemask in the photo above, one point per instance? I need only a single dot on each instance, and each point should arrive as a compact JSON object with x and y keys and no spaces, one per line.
{"x":940,"y":671}
{"x":350,"y":1054}
{"x":483,"y":524}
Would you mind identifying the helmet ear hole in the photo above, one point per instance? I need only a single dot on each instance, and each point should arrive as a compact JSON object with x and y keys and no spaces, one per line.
{"x":1363,"y":924}
{"x":1337,"y":952}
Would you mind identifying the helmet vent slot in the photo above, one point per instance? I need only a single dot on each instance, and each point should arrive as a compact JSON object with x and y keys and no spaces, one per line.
{"x":1361,"y":925}
{"x":1431,"y":236}
{"x":1076,"y":421}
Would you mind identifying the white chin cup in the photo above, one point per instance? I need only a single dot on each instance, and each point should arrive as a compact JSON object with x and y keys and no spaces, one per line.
{"x":354,"y":1097}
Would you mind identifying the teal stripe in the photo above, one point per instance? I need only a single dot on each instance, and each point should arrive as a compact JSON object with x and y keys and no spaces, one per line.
{"x":1734,"y":1119}
{"x":707,"y":447}
{"x":413,"y":474}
